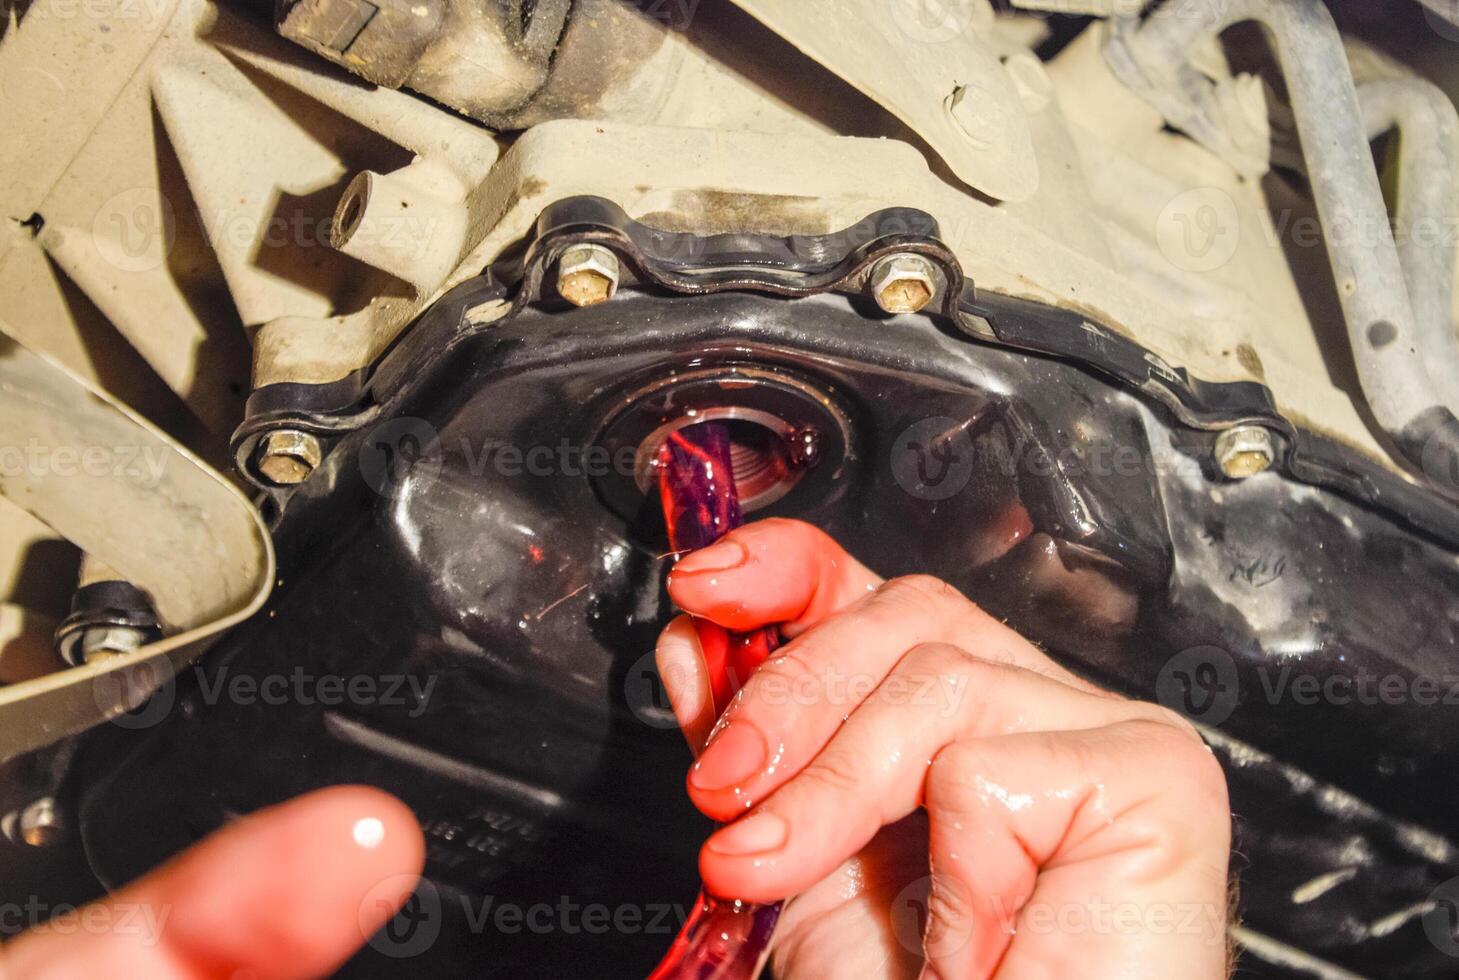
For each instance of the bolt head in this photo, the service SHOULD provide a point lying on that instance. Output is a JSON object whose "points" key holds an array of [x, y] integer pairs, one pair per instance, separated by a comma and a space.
{"points": [[1244, 451], [109, 641], [903, 283], [38, 825], [287, 457], [587, 275]]}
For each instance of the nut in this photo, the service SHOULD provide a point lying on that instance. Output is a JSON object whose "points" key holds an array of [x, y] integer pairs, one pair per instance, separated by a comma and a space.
{"points": [[288, 456], [1245, 450], [38, 825], [108, 641], [587, 275], [903, 283]]}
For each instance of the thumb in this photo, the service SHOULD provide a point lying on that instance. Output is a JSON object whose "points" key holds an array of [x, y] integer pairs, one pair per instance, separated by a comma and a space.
{"points": [[287, 893], [683, 658]]}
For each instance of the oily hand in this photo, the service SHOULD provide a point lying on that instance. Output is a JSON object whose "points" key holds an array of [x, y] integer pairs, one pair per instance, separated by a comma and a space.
{"points": [[942, 798]]}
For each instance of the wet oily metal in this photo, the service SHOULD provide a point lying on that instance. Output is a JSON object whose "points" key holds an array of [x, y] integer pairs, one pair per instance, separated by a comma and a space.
{"points": [[1051, 498]]}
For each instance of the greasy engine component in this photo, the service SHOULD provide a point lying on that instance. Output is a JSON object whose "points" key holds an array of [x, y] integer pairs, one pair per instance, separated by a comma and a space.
{"points": [[849, 261], [1179, 433], [462, 552], [1399, 359], [181, 546], [508, 63], [107, 617], [485, 59]]}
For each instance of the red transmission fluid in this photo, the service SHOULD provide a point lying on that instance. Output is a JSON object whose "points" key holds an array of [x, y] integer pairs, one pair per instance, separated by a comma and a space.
{"points": [[723, 939]]}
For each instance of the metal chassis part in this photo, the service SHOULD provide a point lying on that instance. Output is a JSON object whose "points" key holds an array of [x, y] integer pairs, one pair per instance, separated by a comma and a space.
{"points": [[1153, 58], [145, 506], [944, 81], [1428, 209], [717, 157], [804, 265]]}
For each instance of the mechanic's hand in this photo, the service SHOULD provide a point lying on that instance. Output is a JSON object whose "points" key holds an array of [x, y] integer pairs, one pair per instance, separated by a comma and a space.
{"points": [[287, 893], [902, 737]]}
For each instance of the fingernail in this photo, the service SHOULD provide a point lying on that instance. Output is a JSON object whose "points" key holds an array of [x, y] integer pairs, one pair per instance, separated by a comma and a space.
{"points": [[734, 755], [755, 834], [716, 558]]}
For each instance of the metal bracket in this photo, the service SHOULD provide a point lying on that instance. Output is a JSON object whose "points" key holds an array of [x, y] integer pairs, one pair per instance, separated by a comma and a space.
{"points": [[129, 495]]}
